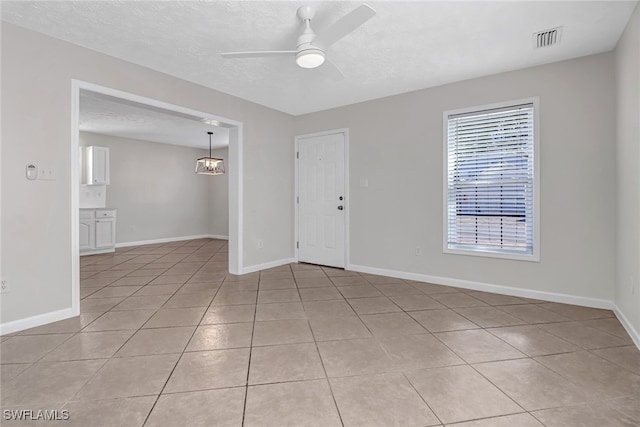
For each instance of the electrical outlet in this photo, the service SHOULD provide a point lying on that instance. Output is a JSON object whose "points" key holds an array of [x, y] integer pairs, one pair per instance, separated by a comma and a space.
{"points": [[364, 182], [418, 251], [4, 286], [260, 244]]}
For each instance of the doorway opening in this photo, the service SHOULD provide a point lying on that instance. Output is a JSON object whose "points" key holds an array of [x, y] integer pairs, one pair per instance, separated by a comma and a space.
{"points": [[230, 128]]}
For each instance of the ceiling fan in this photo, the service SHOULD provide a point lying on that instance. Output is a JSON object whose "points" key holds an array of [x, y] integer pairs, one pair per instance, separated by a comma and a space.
{"points": [[311, 48]]}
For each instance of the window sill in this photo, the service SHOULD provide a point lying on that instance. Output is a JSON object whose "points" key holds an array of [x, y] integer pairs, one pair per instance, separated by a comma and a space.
{"points": [[535, 257]]}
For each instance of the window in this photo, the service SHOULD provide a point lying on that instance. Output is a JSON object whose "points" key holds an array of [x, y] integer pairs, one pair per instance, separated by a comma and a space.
{"points": [[491, 187]]}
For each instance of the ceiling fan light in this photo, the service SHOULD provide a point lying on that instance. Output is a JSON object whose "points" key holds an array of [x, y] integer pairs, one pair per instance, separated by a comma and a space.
{"points": [[310, 58]]}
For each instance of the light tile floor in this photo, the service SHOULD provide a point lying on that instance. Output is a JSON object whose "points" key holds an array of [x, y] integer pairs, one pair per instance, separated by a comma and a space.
{"points": [[167, 338]]}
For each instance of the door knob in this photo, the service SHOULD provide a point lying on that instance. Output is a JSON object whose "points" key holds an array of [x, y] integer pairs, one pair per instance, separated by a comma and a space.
{"points": [[340, 207]]}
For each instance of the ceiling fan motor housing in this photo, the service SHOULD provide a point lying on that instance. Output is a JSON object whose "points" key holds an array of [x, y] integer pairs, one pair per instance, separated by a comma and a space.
{"points": [[309, 55]]}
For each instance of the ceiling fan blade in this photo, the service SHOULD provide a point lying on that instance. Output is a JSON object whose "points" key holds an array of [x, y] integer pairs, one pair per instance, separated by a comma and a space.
{"points": [[332, 70], [258, 54], [345, 25]]}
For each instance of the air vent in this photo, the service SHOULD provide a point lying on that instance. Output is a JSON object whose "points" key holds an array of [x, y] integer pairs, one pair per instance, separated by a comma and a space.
{"points": [[547, 37]]}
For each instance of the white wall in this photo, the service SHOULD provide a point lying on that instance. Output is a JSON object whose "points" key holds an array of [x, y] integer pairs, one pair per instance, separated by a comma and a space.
{"points": [[219, 198], [155, 189], [627, 57], [396, 143], [401, 208], [36, 127]]}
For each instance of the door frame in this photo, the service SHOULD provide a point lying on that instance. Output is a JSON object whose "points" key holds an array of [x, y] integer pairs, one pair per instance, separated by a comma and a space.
{"points": [[347, 198], [236, 262]]}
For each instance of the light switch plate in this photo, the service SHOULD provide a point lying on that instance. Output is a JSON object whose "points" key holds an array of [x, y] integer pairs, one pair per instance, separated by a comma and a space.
{"points": [[46, 173]]}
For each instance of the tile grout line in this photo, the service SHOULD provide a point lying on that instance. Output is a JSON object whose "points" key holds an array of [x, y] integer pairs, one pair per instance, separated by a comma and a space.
{"points": [[126, 341], [96, 372], [466, 363], [404, 375], [187, 343], [315, 342], [253, 329]]}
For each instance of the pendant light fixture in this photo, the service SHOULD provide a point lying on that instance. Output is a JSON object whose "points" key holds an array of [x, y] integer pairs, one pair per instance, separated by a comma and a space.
{"points": [[209, 165]]}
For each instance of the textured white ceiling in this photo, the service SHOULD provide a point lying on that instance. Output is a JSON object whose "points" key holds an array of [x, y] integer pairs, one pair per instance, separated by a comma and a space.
{"points": [[112, 116], [407, 46]]}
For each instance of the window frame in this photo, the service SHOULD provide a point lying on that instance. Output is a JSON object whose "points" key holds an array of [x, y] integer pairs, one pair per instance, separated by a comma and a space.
{"points": [[487, 252]]}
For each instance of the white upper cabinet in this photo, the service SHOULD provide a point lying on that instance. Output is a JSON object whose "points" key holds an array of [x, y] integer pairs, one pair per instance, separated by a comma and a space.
{"points": [[97, 165]]}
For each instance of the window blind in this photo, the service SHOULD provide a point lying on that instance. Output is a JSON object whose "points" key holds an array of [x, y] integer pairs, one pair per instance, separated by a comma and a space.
{"points": [[490, 192]]}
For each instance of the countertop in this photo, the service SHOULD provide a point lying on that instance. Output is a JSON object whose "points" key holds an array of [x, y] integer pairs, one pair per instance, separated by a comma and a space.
{"points": [[98, 209]]}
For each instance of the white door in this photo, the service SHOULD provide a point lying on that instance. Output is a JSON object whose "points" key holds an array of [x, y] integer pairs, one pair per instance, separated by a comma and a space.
{"points": [[86, 234], [321, 205], [105, 233]]}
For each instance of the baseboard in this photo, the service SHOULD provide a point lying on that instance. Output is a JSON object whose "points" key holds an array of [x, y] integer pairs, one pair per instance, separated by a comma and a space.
{"points": [[97, 252], [217, 236], [267, 265], [488, 287], [38, 320], [171, 239], [635, 335]]}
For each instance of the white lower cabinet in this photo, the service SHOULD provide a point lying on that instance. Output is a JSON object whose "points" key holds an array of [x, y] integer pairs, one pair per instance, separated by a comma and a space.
{"points": [[105, 233], [97, 231], [87, 234]]}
